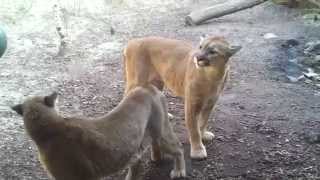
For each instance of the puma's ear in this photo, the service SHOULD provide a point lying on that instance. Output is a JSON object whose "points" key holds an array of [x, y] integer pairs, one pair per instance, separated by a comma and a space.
{"points": [[233, 49], [202, 38], [18, 108], [50, 100]]}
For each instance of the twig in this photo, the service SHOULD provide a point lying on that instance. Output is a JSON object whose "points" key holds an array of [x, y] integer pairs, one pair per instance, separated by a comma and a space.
{"points": [[60, 27]]}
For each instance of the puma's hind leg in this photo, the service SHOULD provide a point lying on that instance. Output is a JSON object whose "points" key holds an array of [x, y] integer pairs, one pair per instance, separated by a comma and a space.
{"points": [[135, 171], [170, 144]]}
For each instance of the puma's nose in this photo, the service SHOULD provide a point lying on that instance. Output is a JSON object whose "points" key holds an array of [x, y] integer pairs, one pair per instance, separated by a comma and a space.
{"points": [[201, 57]]}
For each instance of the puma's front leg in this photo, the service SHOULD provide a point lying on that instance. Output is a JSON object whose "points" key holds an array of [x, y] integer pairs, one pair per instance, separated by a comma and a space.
{"points": [[192, 110], [203, 120]]}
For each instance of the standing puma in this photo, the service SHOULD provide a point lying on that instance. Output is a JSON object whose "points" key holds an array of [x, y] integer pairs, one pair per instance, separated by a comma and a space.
{"points": [[82, 149], [197, 74]]}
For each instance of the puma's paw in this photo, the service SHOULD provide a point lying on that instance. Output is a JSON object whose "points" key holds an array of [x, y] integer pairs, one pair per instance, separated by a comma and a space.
{"points": [[207, 136], [155, 157], [178, 173], [129, 176], [198, 153]]}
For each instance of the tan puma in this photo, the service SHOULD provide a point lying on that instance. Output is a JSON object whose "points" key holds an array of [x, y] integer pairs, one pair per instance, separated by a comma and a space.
{"points": [[82, 149], [197, 74]]}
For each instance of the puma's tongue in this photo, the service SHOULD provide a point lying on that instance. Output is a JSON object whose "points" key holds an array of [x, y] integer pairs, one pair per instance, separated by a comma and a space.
{"points": [[203, 63]]}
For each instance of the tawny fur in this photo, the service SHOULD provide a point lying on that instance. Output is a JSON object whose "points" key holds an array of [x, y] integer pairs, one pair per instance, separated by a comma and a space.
{"points": [[88, 149], [196, 74]]}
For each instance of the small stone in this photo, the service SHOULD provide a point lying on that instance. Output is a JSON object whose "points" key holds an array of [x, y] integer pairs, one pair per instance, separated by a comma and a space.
{"points": [[112, 31], [269, 36], [220, 138]]}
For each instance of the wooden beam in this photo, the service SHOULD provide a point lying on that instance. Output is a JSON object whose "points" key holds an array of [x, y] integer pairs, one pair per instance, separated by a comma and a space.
{"points": [[231, 6]]}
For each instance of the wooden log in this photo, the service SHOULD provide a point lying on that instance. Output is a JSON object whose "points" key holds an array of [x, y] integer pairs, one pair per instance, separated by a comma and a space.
{"points": [[231, 6]]}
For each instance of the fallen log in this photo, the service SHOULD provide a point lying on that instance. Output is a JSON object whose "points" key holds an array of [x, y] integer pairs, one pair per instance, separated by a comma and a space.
{"points": [[199, 16]]}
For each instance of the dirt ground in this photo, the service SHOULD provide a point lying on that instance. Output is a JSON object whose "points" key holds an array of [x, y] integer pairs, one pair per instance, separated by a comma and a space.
{"points": [[265, 126]]}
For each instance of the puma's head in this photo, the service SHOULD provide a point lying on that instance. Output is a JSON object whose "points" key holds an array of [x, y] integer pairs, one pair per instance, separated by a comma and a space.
{"points": [[38, 113], [214, 50], [44, 101]]}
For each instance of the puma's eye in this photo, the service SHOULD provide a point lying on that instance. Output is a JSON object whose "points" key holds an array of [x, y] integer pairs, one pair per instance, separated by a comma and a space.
{"points": [[212, 51]]}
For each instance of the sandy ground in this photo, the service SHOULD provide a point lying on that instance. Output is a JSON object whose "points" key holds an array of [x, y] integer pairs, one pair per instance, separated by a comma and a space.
{"points": [[263, 123]]}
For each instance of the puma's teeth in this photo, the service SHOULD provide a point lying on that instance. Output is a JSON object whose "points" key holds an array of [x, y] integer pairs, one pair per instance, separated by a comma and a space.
{"points": [[195, 61]]}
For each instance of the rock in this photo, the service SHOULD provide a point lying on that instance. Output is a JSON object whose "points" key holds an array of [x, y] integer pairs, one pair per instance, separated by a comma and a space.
{"points": [[290, 43], [312, 137], [295, 79], [311, 74], [312, 48], [312, 61], [312, 18], [269, 36], [220, 138], [293, 70], [308, 81]]}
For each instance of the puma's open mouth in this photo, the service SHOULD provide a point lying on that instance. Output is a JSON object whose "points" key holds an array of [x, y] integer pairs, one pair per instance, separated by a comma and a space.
{"points": [[200, 62]]}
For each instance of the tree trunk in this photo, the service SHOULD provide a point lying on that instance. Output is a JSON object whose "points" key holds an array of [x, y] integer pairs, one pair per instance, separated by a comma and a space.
{"points": [[199, 16]]}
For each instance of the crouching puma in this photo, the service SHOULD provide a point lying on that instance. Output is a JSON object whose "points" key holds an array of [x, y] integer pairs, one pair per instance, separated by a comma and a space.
{"points": [[197, 74], [82, 149]]}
